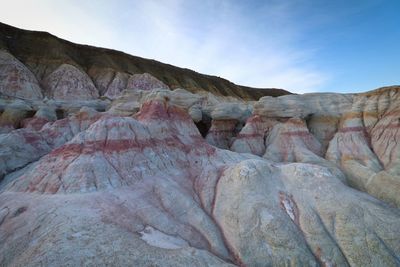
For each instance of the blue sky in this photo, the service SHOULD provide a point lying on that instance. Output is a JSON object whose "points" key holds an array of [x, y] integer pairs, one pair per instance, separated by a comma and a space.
{"points": [[300, 45]]}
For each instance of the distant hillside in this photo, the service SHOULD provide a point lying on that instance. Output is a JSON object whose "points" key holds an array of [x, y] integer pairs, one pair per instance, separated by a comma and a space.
{"points": [[42, 53]]}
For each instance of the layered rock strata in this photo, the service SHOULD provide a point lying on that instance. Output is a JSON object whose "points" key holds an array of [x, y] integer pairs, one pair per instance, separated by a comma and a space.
{"points": [[168, 198], [102, 165]]}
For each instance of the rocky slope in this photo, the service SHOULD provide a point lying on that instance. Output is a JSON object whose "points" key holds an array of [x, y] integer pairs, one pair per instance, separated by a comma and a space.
{"points": [[105, 167], [110, 70]]}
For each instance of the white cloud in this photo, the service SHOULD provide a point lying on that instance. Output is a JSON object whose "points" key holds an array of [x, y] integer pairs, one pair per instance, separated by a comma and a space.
{"points": [[66, 19], [254, 46]]}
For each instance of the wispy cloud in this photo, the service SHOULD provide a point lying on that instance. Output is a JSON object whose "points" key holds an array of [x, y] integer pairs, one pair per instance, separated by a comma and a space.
{"points": [[251, 44]]}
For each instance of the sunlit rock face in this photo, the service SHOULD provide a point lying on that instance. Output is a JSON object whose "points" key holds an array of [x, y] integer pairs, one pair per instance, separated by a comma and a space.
{"points": [[366, 146], [113, 168]]}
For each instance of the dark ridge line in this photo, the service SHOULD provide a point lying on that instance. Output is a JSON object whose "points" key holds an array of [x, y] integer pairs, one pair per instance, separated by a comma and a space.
{"points": [[26, 45]]}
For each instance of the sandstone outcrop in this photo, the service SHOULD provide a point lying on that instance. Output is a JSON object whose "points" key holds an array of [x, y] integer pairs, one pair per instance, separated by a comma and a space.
{"points": [[23, 146], [167, 197], [13, 116], [68, 83], [252, 137], [16, 80], [111, 84], [292, 142], [42, 116], [42, 53], [369, 162], [144, 82], [118, 166]]}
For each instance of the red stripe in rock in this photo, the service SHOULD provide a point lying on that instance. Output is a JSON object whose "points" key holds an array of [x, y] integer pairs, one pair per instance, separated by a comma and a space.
{"points": [[297, 133], [110, 146]]}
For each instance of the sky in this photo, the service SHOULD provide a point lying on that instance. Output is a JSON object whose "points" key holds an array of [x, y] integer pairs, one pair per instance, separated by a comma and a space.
{"points": [[299, 45]]}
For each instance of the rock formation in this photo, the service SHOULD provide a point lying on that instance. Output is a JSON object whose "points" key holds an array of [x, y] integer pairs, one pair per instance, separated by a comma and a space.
{"points": [[16, 80], [68, 83], [106, 166]]}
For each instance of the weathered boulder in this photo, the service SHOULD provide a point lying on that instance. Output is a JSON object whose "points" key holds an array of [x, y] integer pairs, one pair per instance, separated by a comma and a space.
{"points": [[131, 101], [320, 111], [227, 121], [251, 138], [42, 116], [23, 146], [109, 83], [221, 133], [117, 85], [302, 106], [13, 116], [382, 119], [256, 227], [292, 142], [323, 128], [16, 80], [334, 217], [68, 82], [144, 81], [351, 150]]}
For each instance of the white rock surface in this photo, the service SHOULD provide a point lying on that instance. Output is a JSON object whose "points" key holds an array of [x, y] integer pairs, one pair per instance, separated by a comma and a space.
{"points": [[155, 238]]}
